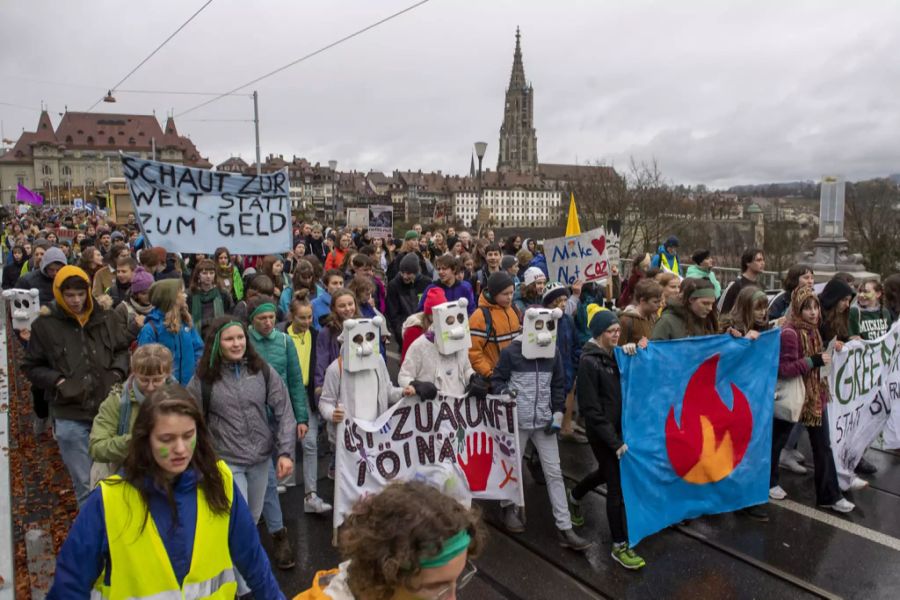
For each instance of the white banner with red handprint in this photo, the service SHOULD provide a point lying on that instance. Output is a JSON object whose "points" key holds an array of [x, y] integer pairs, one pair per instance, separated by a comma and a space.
{"points": [[466, 447]]}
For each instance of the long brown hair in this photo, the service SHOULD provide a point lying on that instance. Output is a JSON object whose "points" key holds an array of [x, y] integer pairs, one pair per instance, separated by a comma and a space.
{"points": [[140, 467], [333, 321], [210, 373], [693, 324], [202, 265], [741, 316]]}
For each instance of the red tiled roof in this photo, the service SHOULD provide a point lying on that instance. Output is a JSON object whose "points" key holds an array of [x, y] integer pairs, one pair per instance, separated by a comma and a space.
{"points": [[573, 172]]}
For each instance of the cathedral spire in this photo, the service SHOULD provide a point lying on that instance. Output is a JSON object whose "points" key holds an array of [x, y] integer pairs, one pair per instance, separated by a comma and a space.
{"points": [[517, 77]]}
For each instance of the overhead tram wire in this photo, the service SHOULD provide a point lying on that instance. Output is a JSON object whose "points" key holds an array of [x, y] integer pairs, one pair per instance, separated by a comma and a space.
{"points": [[308, 56], [158, 48]]}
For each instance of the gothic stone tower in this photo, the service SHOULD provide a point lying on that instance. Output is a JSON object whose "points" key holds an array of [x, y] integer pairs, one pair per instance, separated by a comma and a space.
{"points": [[518, 140]]}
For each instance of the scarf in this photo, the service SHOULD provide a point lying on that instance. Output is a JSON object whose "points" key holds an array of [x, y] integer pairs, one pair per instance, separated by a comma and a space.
{"points": [[138, 307], [811, 345], [199, 298]]}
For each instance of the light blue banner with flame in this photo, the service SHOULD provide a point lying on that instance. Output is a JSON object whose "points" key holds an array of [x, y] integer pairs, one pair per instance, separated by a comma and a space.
{"points": [[697, 418]]}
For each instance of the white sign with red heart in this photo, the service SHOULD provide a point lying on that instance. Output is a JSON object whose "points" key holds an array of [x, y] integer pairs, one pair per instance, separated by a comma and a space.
{"points": [[581, 257]]}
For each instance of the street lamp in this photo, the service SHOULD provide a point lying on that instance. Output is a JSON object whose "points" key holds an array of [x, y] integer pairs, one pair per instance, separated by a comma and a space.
{"points": [[480, 149], [332, 164]]}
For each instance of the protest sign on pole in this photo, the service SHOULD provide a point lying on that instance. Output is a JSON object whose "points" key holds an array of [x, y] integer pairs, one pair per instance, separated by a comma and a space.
{"points": [[865, 387], [190, 210], [613, 235], [465, 447], [357, 217], [582, 256], [381, 221]]}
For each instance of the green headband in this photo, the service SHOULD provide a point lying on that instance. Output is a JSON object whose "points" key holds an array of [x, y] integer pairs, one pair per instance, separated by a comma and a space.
{"points": [[264, 307], [215, 347], [703, 293], [450, 549]]}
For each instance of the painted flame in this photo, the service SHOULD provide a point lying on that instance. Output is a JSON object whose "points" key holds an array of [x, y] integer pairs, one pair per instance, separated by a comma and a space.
{"points": [[712, 440]]}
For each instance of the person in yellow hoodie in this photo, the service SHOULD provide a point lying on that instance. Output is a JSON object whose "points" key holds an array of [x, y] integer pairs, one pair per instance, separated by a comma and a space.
{"points": [[76, 353], [408, 542]]}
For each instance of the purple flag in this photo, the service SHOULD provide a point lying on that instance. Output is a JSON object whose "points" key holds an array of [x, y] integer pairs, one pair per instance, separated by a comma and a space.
{"points": [[23, 194]]}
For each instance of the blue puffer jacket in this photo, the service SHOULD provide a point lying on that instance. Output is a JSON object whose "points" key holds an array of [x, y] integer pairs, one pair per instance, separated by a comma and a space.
{"points": [[567, 348], [186, 346], [86, 551], [539, 385]]}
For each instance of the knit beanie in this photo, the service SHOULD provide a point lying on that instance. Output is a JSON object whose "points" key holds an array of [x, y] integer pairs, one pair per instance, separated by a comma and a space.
{"points": [[553, 292], [835, 291], [410, 263], [672, 242], [498, 282], [602, 320], [141, 281], [412, 234], [533, 274], [41, 243], [164, 293], [507, 262], [433, 297]]}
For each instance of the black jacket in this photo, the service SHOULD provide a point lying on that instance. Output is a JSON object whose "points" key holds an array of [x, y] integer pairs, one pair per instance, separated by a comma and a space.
{"points": [[37, 280], [11, 274], [401, 301], [90, 359], [599, 394]]}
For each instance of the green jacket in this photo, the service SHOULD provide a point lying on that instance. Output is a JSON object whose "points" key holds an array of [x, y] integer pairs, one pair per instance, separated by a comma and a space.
{"points": [[278, 350], [105, 444], [696, 272]]}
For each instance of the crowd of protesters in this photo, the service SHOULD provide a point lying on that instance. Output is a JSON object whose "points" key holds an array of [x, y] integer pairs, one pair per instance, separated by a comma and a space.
{"points": [[168, 378]]}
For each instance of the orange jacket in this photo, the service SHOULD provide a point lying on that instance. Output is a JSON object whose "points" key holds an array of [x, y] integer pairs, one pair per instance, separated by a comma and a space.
{"points": [[486, 345], [335, 258]]}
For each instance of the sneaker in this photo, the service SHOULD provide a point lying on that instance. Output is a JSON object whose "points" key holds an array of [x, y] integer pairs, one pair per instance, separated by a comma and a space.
{"points": [[796, 455], [866, 468], [777, 493], [625, 556], [842, 506], [790, 463], [313, 504], [858, 484], [569, 539], [281, 488], [757, 512], [512, 521], [283, 554], [573, 438], [575, 510]]}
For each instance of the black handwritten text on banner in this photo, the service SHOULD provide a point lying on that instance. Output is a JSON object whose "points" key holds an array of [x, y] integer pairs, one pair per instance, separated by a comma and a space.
{"points": [[185, 209]]}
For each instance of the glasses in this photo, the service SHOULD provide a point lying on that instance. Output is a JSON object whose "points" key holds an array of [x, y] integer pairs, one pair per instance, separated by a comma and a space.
{"points": [[462, 581]]}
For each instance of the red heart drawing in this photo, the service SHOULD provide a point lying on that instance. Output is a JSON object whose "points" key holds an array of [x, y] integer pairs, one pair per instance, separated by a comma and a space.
{"points": [[600, 245]]}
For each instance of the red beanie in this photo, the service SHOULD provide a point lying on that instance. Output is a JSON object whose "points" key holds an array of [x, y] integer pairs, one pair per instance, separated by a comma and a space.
{"points": [[433, 297]]}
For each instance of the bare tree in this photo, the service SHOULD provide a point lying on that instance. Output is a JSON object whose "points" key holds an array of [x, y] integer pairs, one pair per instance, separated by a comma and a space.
{"points": [[873, 220]]}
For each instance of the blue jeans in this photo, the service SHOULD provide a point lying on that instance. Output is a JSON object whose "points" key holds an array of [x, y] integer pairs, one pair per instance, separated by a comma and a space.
{"points": [[272, 505], [72, 438], [309, 443], [251, 483]]}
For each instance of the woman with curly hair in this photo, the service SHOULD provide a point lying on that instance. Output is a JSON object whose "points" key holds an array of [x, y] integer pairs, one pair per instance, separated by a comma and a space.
{"points": [[170, 324], [409, 541], [136, 533]]}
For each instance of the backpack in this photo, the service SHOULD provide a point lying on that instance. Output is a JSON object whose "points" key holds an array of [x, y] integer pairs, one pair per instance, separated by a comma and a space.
{"points": [[489, 323], [206, 392]]}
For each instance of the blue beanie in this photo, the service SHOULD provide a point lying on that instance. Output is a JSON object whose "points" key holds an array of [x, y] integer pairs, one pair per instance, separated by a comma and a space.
{"points": [[602, 321]]}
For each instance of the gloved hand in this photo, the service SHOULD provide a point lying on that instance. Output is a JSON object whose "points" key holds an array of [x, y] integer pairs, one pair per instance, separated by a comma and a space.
{"points": [[555, 425], [630, 349], [621, 451], [425, 390], [478, 387]]}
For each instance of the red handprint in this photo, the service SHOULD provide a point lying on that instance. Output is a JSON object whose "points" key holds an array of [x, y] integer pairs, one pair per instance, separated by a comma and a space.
{"points": [[479, 461]]}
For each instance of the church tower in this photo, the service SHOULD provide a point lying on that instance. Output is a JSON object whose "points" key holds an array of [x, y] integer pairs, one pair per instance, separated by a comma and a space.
{"points": [[518, 140]]}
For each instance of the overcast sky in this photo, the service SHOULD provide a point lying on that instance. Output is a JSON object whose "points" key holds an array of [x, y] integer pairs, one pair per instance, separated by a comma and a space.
{"points": [[717, 92]]}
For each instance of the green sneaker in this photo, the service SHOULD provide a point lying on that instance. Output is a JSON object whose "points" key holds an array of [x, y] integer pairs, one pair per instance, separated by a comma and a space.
{"points": [[625, 556], [575, 513]]}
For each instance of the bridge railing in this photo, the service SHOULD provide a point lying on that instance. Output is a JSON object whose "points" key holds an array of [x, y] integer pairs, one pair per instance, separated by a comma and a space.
{"points": [[770, 279]]}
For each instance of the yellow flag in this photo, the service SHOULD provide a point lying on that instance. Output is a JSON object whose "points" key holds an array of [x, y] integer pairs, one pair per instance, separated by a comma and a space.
{"points": [[573, 227]]}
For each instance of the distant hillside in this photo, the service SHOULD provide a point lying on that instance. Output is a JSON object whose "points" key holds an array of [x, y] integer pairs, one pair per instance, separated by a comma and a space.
{"points": [[804, 189]]}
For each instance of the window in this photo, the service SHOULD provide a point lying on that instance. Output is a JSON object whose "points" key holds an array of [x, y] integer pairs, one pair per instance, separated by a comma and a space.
{"points": [[45, 170], [20, 179], [90, 140], [111, 141], [131, 141], [89, 183], [68, 139], [67, 170]]}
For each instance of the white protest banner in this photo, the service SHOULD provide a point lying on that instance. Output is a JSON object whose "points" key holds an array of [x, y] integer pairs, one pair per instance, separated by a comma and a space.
{"points": [[865, 386], [381, 221], [357, 217], [465, 447], [190, 210], [582, 256]]}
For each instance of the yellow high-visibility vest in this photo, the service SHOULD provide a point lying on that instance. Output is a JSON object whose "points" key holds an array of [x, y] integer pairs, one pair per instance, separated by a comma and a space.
{"points": [[141, 569], [664, 263]]}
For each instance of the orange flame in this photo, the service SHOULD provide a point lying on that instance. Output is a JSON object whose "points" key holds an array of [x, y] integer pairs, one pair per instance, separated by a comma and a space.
{"points": [[712, 440]]}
